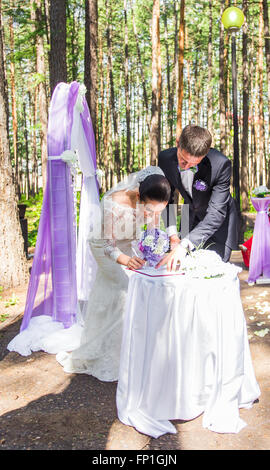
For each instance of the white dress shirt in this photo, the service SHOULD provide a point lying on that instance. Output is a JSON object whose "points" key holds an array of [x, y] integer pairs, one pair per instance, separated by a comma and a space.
{"points": [[187, 178]]}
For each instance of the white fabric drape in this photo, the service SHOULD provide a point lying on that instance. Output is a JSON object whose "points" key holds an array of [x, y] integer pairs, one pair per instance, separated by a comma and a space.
{"points": [[184, 352], [89, 209]]}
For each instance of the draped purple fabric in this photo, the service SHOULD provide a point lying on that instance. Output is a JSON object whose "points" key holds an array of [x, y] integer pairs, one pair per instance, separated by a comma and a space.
{"points": [[259, 263], [52, 287]]}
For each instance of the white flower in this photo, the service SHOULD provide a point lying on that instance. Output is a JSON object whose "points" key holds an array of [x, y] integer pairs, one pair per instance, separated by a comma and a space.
{"points": [[99, 174], [261, 190], [158, 250], [70, 157], [205, 264], [148, 241]]}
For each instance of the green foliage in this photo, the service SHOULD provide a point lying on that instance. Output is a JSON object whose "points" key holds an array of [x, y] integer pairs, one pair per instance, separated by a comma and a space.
{"points": [[32, 214], [3, 317], [248, 234], [12, 301], [111, 13]]}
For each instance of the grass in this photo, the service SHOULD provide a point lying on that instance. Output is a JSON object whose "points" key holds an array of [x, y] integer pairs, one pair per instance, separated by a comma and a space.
{"points": [[12, 301], [3, 317]]}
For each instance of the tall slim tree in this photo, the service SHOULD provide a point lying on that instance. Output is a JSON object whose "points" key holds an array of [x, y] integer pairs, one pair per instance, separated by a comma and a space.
{"points": [[126, 68], [156, 84], [245, 111], [210, 72], [222, 86], [91, 58], [143, 80], [58, 48], [267, 58], [13, 266], [14, 103], [117, 161], [180, 94], [261, 111], [42, 94]]}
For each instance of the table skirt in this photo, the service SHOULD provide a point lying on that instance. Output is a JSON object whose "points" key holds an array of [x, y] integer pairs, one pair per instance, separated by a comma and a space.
{"points": [[184, 352]]}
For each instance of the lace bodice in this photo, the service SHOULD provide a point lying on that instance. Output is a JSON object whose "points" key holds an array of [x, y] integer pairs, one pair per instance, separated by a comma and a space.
{"points": [[119, 223]]}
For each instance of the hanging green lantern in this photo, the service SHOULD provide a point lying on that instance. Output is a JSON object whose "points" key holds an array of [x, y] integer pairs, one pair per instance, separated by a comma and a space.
{"points": [[233, 18]]}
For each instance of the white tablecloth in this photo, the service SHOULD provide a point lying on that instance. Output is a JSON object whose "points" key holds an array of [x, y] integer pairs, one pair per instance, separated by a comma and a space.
{"points": [[184, 352]]}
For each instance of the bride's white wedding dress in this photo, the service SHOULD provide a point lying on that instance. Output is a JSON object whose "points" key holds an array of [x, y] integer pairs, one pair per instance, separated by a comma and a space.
{"points": [[99, 351]]}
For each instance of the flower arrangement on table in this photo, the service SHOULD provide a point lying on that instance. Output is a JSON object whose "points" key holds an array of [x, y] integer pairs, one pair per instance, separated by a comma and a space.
{"points": [[152, 245], [261, 191], [206, 264]]}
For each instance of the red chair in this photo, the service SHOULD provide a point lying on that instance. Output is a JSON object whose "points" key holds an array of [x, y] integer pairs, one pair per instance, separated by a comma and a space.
{"points": [[246, 250]]}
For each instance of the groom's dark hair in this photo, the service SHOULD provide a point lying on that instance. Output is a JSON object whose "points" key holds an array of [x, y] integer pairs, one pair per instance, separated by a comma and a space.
{"points": [[195, 140], [155, 187]]}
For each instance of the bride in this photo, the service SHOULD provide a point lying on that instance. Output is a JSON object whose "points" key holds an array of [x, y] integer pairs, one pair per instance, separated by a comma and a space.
{"points": [[141, 198]]}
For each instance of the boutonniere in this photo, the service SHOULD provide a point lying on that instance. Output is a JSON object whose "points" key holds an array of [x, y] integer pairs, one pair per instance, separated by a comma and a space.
{"points": [[200, 185]]}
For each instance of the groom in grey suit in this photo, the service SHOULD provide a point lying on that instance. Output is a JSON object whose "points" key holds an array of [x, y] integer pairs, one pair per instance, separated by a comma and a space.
{"points": [[202, 175]]}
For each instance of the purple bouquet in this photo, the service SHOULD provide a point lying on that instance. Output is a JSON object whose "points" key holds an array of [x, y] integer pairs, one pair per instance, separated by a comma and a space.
{"points": [[153, 244]]}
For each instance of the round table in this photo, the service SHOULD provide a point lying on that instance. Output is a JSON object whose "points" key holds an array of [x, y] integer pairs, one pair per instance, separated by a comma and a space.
{"points": [[184, 352], [259, 263]]}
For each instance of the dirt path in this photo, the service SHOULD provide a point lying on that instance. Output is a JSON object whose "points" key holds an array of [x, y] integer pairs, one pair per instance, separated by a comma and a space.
{"points": [[42, 407]]}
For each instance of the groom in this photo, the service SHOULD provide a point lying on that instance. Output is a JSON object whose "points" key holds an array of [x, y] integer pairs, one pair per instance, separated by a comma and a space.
{"points": [[202, 176]]}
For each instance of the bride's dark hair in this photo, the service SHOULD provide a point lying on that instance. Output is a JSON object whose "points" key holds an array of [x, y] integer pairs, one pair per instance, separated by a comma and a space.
{"points": [[155, 187]]}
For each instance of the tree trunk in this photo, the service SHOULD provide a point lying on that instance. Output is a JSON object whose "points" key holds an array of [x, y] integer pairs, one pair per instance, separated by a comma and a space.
{"points": [[210, 74], [42, 98], [107, 132], [112, 99], [169, 117], [180, 94], [156, 83], [14, 105], [267, 54], [175, 61], [57, 56], [189, 83], [261, 112], [145, 96], [91, 58], [128, 137], [245, 112], [27, 176], [13, 266], [46, 8], [253, 147], [222, 86], [34, 185]]}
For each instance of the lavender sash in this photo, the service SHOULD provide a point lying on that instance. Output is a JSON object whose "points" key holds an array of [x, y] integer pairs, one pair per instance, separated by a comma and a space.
{"points": [[52, 287], [260, 251]]}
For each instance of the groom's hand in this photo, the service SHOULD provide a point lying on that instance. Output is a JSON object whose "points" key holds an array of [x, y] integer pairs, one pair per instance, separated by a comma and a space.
{"points": [[174, 258]]}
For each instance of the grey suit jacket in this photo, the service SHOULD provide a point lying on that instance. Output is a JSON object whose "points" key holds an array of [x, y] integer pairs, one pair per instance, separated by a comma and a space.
{"points": [[212, 212]]}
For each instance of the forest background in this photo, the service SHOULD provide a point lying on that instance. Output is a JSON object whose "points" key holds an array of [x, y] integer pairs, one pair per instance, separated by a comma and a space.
{"points": [[150, 67]]}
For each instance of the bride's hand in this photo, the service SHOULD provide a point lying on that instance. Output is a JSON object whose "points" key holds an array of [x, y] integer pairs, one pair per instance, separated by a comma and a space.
{"points": [[135, 263]]}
